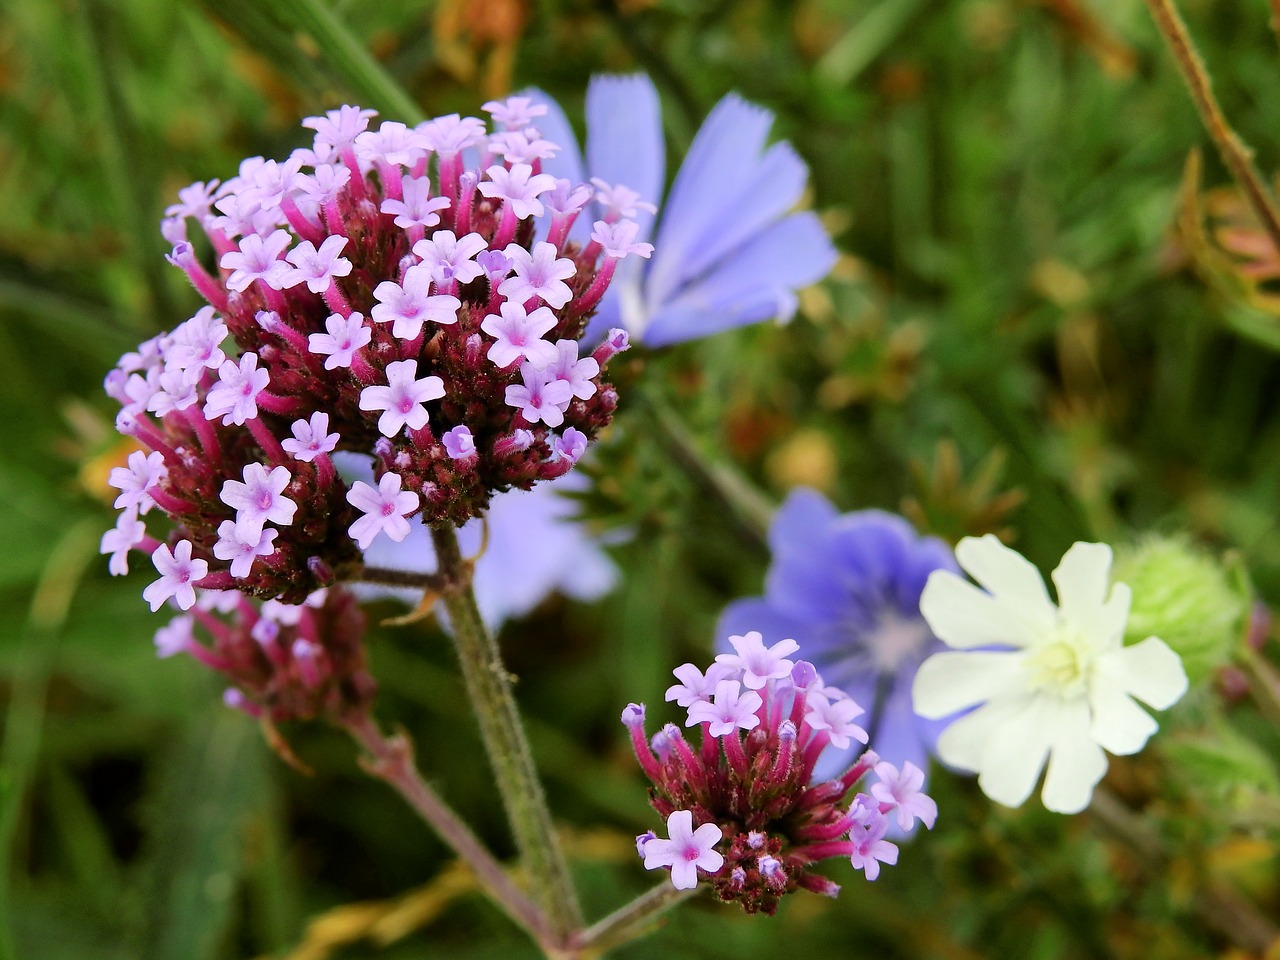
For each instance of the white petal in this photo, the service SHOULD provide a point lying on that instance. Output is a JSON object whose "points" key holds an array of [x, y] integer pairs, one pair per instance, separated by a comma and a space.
{"points": [[1009, 577], [950, 681], [1081, 580], [1015, 754], [1149, 671], [962, 616], [1076, 763], [1118, 724], [961, 745]]}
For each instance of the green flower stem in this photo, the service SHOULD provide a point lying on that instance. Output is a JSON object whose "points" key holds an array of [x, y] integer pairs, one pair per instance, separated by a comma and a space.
{"points": [[489, 689], [748, 505], [627, 922], [391, 759]]}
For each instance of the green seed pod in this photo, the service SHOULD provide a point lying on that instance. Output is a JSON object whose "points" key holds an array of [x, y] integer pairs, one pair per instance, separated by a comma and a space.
{"points": [[1189, 598]]}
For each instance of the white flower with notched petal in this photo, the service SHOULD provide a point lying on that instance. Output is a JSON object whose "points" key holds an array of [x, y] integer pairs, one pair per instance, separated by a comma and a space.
{"points": [[1054, 683]]}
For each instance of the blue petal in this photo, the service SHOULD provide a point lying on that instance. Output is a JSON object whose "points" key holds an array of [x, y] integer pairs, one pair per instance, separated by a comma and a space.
{"points": [[803, 517], [756, 613], [567, 164], [624, 140], [720, 162], [752, 283], [776, 185], [928, 555]]}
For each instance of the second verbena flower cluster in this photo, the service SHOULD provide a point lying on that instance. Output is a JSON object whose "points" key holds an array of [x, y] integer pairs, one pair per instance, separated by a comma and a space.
{"points": [[747, 788], [408, 293]]}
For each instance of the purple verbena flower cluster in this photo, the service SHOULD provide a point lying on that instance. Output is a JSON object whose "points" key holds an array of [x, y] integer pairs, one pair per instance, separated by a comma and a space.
{"points": [[385, 294], [765, 720], [284, 661]]}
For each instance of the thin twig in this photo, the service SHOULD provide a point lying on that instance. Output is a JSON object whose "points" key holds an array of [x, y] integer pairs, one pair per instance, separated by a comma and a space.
{"points": [[391, 759], [1235, 153], [398, 578]]}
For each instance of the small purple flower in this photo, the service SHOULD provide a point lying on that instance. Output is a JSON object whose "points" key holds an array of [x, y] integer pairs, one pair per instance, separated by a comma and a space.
{"points": [[619, 239], [620, 201], [392, 143], [903, 791], [257, 259], [144, 471], [459, 443], [409, 305], [452, 134], [241, 545], [518, 335], [870, 848], [197, 344], [847, 587], [580, 374], [759, 664], [317, 268], [835, 718], [385, 508], [403, 398], [311, 438], [234, 397], [175, 637], [538, 398], [176, 392], [418, 208], [178, 574], [539, 274], [728, 710], [686, 851], [259, 498], [447, 258], [693, 685], [514, 112], [570, 445], [128, 532], [518, 187], [339, 128], [346, 335]]}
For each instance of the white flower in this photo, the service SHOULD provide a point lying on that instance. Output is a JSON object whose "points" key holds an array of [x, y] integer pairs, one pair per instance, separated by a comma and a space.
{"points": [[1055, 683]]}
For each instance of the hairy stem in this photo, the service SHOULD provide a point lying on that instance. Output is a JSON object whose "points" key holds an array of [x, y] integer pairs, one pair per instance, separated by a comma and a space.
{"points": [[1235, 153], [489, 689], [391, 759], [627, 922]]}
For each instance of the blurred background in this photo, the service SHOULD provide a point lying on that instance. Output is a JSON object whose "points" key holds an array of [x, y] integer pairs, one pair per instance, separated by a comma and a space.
{"points": [[1019, 338]]}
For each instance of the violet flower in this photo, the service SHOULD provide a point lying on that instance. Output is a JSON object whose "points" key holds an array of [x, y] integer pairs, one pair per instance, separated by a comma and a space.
{"points": [[847, 587], [730, 251]]}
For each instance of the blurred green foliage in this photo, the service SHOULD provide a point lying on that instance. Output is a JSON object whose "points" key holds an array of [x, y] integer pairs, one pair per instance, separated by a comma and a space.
{"points": [[1002, 177]]}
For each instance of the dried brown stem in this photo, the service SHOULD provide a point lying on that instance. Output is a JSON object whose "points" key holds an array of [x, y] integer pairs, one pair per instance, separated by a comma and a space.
{"points": [[1235, 153]]}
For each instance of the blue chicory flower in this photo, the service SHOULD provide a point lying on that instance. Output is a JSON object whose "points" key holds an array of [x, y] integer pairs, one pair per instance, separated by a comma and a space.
{"points": [[729, 251], [847, 588]]}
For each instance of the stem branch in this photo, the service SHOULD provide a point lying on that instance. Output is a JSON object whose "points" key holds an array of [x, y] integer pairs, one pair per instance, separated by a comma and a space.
{"points": [[489, 689], [391, 759], [1235, 153], [624, 923]]}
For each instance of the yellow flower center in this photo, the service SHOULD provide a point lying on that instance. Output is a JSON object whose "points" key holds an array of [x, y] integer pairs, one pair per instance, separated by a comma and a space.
{"points": [[1061, 665]]}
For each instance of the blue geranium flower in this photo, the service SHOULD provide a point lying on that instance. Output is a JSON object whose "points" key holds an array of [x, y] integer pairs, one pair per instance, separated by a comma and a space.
{"points": [[847, 588], [729, 250]]}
